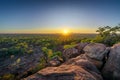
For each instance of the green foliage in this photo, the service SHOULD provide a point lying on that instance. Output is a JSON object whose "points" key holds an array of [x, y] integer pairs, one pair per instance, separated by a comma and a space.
{"points": [[108, 31], [110, 40], [86, 40], [48, 52], [5, 51], [13, 50], [20, 44], [98, 39], [108, 35], [44, 49], [69, 46], [42, 64], [12, 45], [18, 60], [30, 51], [57, 53], [8, 77]]}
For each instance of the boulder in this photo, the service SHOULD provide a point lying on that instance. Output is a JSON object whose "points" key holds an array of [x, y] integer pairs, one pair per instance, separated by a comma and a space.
{"points": [[73, 52], [111, 69], [70, 53], [80, 47], [80, 70], [96, 51], [95, 62]]}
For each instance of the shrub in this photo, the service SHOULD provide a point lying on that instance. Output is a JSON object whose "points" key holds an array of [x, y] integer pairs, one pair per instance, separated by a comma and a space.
{"points": [[41, 65], [4, 52], [8, 77], [48, 52], [98, 39], [44, 49], [86, 40], [58, 53], [18, 60], [30, 51], [69, 46]]}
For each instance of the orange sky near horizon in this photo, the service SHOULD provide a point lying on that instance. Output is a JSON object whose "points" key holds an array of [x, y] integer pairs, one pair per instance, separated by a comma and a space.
{"points": [[48, 30]]}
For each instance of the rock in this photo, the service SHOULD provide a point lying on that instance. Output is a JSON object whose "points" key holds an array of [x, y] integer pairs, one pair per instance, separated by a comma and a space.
{"points": [[83, 63], [73, 52], [82, 67], [97, 63], [79, 70], [80, 47], [111, 69], [70, 53], [56, 61], [96, 51]]}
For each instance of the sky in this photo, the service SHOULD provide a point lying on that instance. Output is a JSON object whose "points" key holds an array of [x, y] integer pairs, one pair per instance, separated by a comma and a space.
{"points": [[53, 16]]}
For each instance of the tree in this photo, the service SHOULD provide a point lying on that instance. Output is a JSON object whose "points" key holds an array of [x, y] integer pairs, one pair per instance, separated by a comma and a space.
{"points": [[108, 31], [104, 31], [108, 35]]}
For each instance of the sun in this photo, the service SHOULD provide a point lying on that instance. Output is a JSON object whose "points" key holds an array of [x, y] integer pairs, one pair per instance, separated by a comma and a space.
{"points": [[66, 31]]}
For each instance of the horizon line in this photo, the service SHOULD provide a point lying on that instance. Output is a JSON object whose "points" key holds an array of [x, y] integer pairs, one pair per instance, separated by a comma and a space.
{"points": [[45, 33]]}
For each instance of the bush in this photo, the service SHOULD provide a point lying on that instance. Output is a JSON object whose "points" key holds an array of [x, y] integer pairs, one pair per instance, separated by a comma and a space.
{"points": [[98, 39], [48, 52], [69, 46], [41, 65], [86, 40], [110, 40], [30, 51], [8, 77], [4, 52], [18, 60], [44, 49], [58, 53]]}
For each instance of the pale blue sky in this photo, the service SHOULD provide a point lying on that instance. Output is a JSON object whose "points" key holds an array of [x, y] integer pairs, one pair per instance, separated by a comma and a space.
{"points": [[25, 16]]}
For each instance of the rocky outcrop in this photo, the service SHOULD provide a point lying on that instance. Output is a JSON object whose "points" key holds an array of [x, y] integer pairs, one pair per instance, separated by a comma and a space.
{"points": [[96, 52], [96, 60], [79, 70], [73, 52], [83, 67], [111, 70]]}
